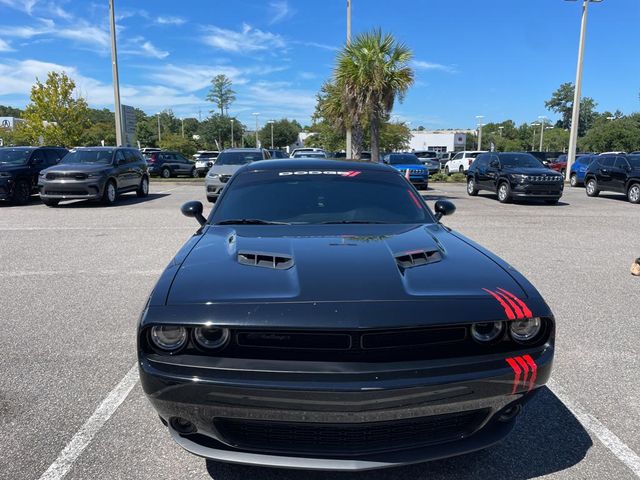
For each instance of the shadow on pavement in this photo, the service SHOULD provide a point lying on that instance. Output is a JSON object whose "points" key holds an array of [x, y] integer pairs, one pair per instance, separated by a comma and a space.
{"points": [[125, 199], [546, 439]]}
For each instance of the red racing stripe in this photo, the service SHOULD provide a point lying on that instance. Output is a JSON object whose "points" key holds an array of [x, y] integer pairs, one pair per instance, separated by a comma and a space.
{"points": [[516, 369], [507, 308], [534, 369], [523, 305], [514, 306], [525, 367], [415, 200]]}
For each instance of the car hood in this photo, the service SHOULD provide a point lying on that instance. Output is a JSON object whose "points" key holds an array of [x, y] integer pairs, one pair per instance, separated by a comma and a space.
{"points": [[531, 171], [333, 263], [78, 167], [411, 166]]}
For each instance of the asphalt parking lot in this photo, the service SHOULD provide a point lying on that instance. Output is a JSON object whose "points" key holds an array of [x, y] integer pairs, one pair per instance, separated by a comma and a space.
{"points": [[74, 280]]}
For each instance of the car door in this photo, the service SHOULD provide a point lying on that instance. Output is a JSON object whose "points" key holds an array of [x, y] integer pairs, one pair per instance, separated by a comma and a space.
{"points": [[134, 168], [120, 168], [603, 172], [619, 174], [37, 163], [492, 173], [480, 168], [185, 165], [455, 162]]}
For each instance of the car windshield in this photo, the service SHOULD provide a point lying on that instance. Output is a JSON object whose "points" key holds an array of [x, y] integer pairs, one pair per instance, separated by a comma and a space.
{"points": [[238, 158], [13, 156], [584, 160], [403, 160], [634, 161], [523, 160], [320, 197], [88, 156]]}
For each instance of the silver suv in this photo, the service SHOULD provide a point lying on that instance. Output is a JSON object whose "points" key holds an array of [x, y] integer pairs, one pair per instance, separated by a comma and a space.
{"points": [[228, 162]]}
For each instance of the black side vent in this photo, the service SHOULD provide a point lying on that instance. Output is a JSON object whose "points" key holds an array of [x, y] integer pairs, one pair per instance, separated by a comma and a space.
{"points": [[417, 258], [266, 260]]}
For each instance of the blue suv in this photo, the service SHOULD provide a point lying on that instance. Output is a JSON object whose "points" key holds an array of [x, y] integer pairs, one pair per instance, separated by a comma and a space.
{"points": [[579, 168], [418, 173]]}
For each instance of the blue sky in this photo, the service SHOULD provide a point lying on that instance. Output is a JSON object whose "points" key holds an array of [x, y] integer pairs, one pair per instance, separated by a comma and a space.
{"points": [[497, 58]]}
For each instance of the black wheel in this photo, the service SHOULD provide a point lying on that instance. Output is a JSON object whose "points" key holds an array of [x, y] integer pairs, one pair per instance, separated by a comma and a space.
{"points": [[471, 187], [461, 169], [165, 173], [504, 192], [573, 180], [633, 193], [21, 192], [446, 170], [194, 173], [143, 188], [50, 202], [564, 173], [110, 193], [551, 201], [592, 188]]}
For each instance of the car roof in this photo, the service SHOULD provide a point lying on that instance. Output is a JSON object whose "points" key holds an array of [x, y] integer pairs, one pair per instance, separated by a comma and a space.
{"points": [[315, 164], [241, 150]]}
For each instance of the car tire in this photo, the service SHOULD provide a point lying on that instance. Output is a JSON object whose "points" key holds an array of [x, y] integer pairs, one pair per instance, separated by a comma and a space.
{"points": [[212, 199], [143, 188], [563, 172], [504, 192], [50, 202], [110, 193], [461, 169], [573, 180], [165, 173], [21, 193], [471, 187], [633, 193], [446, 170], [592, 188], [194, 173]]}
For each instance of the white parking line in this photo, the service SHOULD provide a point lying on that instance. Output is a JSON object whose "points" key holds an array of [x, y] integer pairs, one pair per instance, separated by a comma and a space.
{"points": [[167, 191], [83, 437], [606, 436]]}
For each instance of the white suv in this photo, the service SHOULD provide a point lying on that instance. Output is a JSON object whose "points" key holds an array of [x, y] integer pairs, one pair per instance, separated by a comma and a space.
{"points": [[461, 161]]}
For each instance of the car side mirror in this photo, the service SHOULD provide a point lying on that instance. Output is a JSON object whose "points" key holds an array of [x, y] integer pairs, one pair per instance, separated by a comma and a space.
{"points": [[193, 209], [443, 208]]}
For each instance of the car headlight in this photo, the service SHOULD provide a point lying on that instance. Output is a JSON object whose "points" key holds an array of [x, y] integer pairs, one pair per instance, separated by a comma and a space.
{"points": [[487, 332], [211, 338], [169, 337], [517, 177], [523, 331]]}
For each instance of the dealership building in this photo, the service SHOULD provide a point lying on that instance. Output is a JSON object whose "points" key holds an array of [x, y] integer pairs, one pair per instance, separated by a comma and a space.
{"points": [[438, 140]]}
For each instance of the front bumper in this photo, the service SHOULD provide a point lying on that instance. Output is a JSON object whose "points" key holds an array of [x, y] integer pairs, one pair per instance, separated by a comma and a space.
{"points": [[6, 188], [89, 189], [213, 187], [537, 191], [312, 397]]}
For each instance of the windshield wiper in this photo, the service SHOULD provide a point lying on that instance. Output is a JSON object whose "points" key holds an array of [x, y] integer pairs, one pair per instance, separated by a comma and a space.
{"points": [[250, 221], [350, 221]]}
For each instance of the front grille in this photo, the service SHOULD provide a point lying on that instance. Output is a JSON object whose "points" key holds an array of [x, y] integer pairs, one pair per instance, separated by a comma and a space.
{"points": [[66, 192], [544, 178], [66, 176], [348, 439]]}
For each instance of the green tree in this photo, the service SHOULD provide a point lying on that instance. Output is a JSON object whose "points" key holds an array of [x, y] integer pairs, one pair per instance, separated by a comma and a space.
{"points": [[394, 137], [617, 134], [6, 111], [173, 141], [561, 102], [221, 93], [326, 136], [372, 71], [55, 115], [98, 132], [215, 131], [146, 134], [285, 132]]}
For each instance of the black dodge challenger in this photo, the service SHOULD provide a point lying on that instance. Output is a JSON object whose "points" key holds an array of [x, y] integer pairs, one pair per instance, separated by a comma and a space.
{"points": [[323, 318]]}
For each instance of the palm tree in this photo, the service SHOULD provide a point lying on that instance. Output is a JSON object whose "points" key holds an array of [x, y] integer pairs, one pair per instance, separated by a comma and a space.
{"points": [[372, 71]]}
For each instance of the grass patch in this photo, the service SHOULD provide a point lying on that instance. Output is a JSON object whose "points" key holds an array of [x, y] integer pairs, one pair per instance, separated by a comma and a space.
{"points": [[441, 177]]}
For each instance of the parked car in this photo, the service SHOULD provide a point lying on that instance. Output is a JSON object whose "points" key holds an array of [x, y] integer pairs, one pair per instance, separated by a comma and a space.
{"points": [[204, 160], [559, 164], [20, 167], [514, 175], [430, 160], [147, 150], [444, 157], [94, 173], [306, 149], [579, 168], [229, 162], [317, 154], [546, 157], [418, 173], [275, 153], [461, 161], [170, 164], [614, 173], [323, 318]]}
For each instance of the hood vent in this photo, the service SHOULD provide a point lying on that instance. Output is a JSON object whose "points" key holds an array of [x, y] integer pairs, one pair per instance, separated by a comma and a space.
{"points": [[266, 260], [418, 257]]}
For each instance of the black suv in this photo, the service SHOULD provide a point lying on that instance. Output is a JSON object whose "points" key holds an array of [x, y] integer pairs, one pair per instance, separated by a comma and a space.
{"points": [[514, 175], [170, 164], [614, 173], [19, 169], [95, 173]]}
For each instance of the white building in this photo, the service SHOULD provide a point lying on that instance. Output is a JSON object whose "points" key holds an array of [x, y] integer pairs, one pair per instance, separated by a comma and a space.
{"points": [[437, 141], [9, 123]]}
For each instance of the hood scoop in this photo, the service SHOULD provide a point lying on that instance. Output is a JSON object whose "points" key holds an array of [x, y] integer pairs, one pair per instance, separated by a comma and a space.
{"points": [[265, 260], [416, 258]]}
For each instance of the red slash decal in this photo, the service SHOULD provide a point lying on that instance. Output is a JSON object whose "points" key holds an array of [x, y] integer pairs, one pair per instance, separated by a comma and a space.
{"points": [[523, 305], [507, 308], [514, 306], [519, 365], [352, 173]]}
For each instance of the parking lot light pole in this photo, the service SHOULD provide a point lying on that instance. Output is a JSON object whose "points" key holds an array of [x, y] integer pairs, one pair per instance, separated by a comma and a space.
{"points": [[543, 120], [479, 118], [575, 116], [232, 133], [533, 137], [116, 79], [182, 120], [271, 122], [348, 136], [159, 134], [256, 114]]}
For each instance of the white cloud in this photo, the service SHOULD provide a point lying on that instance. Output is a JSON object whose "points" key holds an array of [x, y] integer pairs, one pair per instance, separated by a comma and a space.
{"points": [[4, 46], [280, 10], [247, 40], [141, 46], [170, 20], [25, 6], [323, 46], [421, 65], [80, 32]]}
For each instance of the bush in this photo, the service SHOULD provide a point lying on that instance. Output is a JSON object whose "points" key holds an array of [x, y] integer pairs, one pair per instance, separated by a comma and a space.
{"points": [[443, 177]]}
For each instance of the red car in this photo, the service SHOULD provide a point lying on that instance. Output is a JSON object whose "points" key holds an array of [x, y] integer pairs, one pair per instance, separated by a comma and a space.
{"points": [[559, 164]]}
